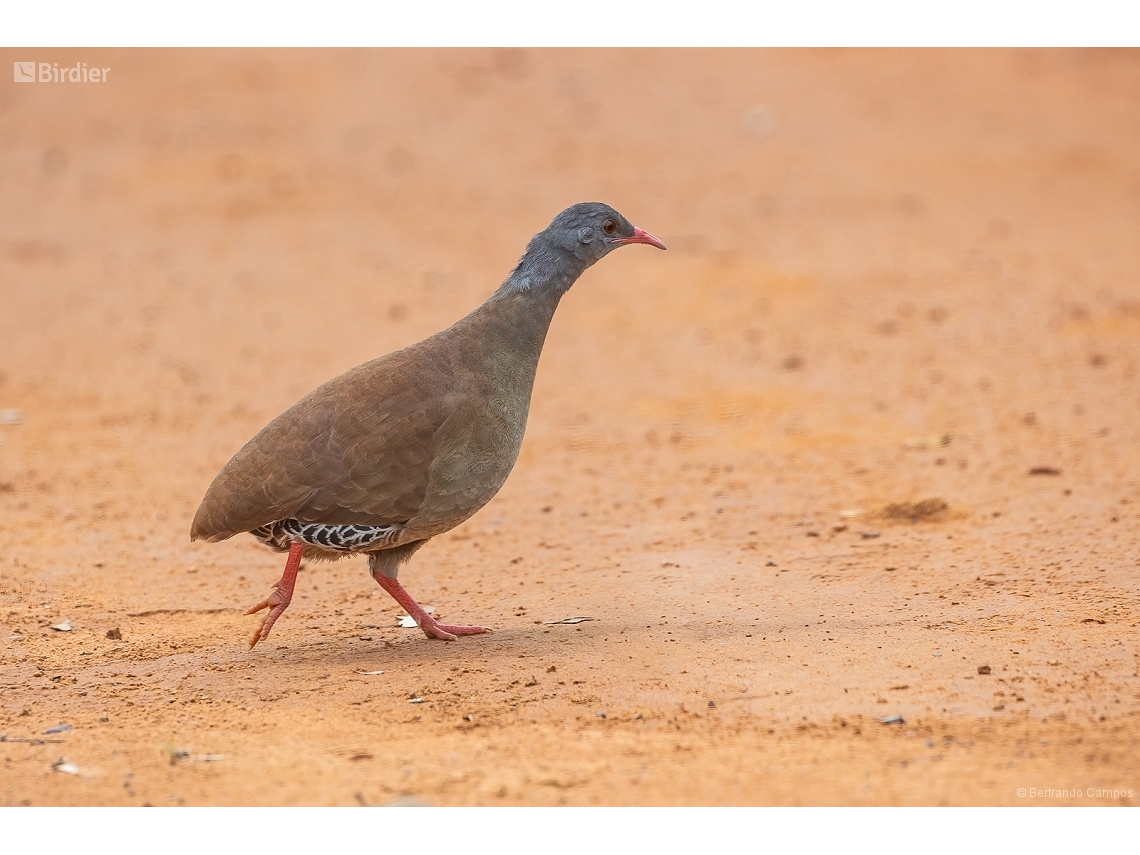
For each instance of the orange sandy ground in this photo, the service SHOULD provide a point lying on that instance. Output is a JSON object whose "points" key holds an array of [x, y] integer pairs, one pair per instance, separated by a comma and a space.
{"points": [[892, 276]]}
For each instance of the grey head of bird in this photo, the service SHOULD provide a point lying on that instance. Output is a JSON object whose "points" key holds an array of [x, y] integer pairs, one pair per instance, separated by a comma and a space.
{"points": [[577, 238]]}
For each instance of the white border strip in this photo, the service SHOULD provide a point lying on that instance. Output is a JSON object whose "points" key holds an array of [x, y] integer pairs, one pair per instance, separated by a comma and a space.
{"points": [[552, 831], [600, 23]]}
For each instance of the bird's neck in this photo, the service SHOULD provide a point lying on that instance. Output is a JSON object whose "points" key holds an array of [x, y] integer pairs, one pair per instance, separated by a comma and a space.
{"points": [[520, 317], [546, 271], [528, 297]]}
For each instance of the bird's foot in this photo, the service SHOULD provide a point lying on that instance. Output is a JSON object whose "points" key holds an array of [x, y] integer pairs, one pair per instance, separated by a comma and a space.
{"points": [[279, 600], [447, 631], [276, 602], [430, 626]]}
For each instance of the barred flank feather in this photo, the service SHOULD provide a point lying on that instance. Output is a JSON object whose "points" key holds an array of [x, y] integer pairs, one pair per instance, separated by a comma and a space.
{"points": [[339, 538]]}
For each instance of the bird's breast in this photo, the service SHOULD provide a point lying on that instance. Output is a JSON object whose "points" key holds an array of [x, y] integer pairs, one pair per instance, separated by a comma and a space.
{"points": [[476, 450]]}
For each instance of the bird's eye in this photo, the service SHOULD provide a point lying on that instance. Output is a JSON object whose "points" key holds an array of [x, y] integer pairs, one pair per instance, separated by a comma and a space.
{"points": [[609, 227]]}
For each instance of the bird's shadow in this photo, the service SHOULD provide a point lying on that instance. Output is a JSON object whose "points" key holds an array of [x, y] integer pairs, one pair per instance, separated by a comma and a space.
{"points": [[382, 653]]}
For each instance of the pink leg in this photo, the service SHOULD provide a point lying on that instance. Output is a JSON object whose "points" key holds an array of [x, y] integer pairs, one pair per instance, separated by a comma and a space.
{"points": [[431, 627], [282, 594]]}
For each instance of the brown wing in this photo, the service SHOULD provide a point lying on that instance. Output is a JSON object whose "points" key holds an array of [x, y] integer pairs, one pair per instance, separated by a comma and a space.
{"points": [[356, 450]]}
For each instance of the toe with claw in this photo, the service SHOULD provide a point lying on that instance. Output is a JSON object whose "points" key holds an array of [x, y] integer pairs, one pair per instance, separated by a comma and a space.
{"points": [[279, 600]]}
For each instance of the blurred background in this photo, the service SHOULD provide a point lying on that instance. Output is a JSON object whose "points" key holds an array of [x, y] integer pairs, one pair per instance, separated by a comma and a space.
{"points": [[211, 221], [212, 233], [892, 275]]}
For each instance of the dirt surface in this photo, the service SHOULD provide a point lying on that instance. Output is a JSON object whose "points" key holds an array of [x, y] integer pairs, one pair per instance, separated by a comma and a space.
{"points": [[863, 443]]}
